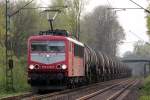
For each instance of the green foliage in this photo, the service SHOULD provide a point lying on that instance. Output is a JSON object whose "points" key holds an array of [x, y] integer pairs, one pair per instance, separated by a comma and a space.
{"points": [[145, 91], [2, 24], [24, 24], [2, 49], [2, 68], [144, 98], [101, 30], [19, 76], [141, 49], [70, 18], [148, 22]]}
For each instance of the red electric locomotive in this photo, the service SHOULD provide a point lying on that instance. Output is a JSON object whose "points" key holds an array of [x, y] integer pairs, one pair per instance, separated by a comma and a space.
{"points": [[55, 61]]}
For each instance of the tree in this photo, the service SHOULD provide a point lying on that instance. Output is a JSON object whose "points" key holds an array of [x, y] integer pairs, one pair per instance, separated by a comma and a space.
{"points": [[127, 54], [141, 49], [148, 22], [24, 24], [2, 24], [101, 30], [70, 19]]}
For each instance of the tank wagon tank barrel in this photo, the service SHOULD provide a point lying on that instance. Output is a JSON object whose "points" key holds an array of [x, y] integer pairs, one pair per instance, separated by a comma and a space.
{"points": [[104, 66]]}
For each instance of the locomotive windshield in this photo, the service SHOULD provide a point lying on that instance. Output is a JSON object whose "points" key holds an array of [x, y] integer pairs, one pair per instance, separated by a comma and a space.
{"points": [[50, 51], [50, 46]]}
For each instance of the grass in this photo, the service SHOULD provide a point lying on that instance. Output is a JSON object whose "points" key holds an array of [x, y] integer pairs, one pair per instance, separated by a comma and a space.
{"points": [[19, 75], [11, 93], [145, 90], [145, 98]]}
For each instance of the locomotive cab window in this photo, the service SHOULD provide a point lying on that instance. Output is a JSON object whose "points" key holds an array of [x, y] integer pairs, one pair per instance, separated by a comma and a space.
{"points": [[78, 51], [48, 46], [56, 46], [38, 46]]}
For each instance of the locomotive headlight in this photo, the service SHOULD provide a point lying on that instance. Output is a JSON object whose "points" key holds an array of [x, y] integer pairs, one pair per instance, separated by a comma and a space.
{"points": [[64, 66], [31, 67], [47, 56]]}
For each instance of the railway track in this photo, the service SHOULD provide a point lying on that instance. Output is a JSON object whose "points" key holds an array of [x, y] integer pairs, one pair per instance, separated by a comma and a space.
{"points": [[73, 93], [115, 92], [77, 93], [127, 94], [121, 92], [17, 97]]}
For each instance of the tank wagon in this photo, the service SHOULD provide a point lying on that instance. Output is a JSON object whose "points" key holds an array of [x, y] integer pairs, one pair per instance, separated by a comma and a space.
{"points": [[58, 61]]}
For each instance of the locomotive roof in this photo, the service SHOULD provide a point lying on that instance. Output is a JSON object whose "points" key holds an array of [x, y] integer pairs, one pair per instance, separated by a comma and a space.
{"points": [[42, 37], [75, 41]]}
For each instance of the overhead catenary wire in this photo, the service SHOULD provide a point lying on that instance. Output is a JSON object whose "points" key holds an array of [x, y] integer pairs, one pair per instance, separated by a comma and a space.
{"points": [[52, 7], [139, 37], [128, 42], [136, 35], [20, 8], [126, 8], [140, 6]]}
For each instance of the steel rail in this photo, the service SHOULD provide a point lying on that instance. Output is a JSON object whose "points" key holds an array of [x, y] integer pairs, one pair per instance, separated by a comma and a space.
{"points": [[55, 94], [125, 93], [118, 93], [100, 91]]}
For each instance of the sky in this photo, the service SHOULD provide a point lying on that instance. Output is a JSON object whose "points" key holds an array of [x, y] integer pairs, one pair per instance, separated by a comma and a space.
{"points": [[132, 21]]}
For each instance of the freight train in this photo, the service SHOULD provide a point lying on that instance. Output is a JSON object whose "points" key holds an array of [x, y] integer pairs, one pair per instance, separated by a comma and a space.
{"points": [[57, 61]]}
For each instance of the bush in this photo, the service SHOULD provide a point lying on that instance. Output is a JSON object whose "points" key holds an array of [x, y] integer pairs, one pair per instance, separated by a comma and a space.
{"points": [[2, 69], [146, 86], [19, 74]]}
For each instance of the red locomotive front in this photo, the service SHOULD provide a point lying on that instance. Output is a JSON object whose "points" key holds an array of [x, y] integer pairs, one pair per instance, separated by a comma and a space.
{"points": [[54, 61], [47, 60]]}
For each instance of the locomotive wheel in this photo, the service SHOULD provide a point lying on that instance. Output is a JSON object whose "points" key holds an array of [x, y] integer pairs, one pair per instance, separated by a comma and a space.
{"points": [[71, 84]]}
